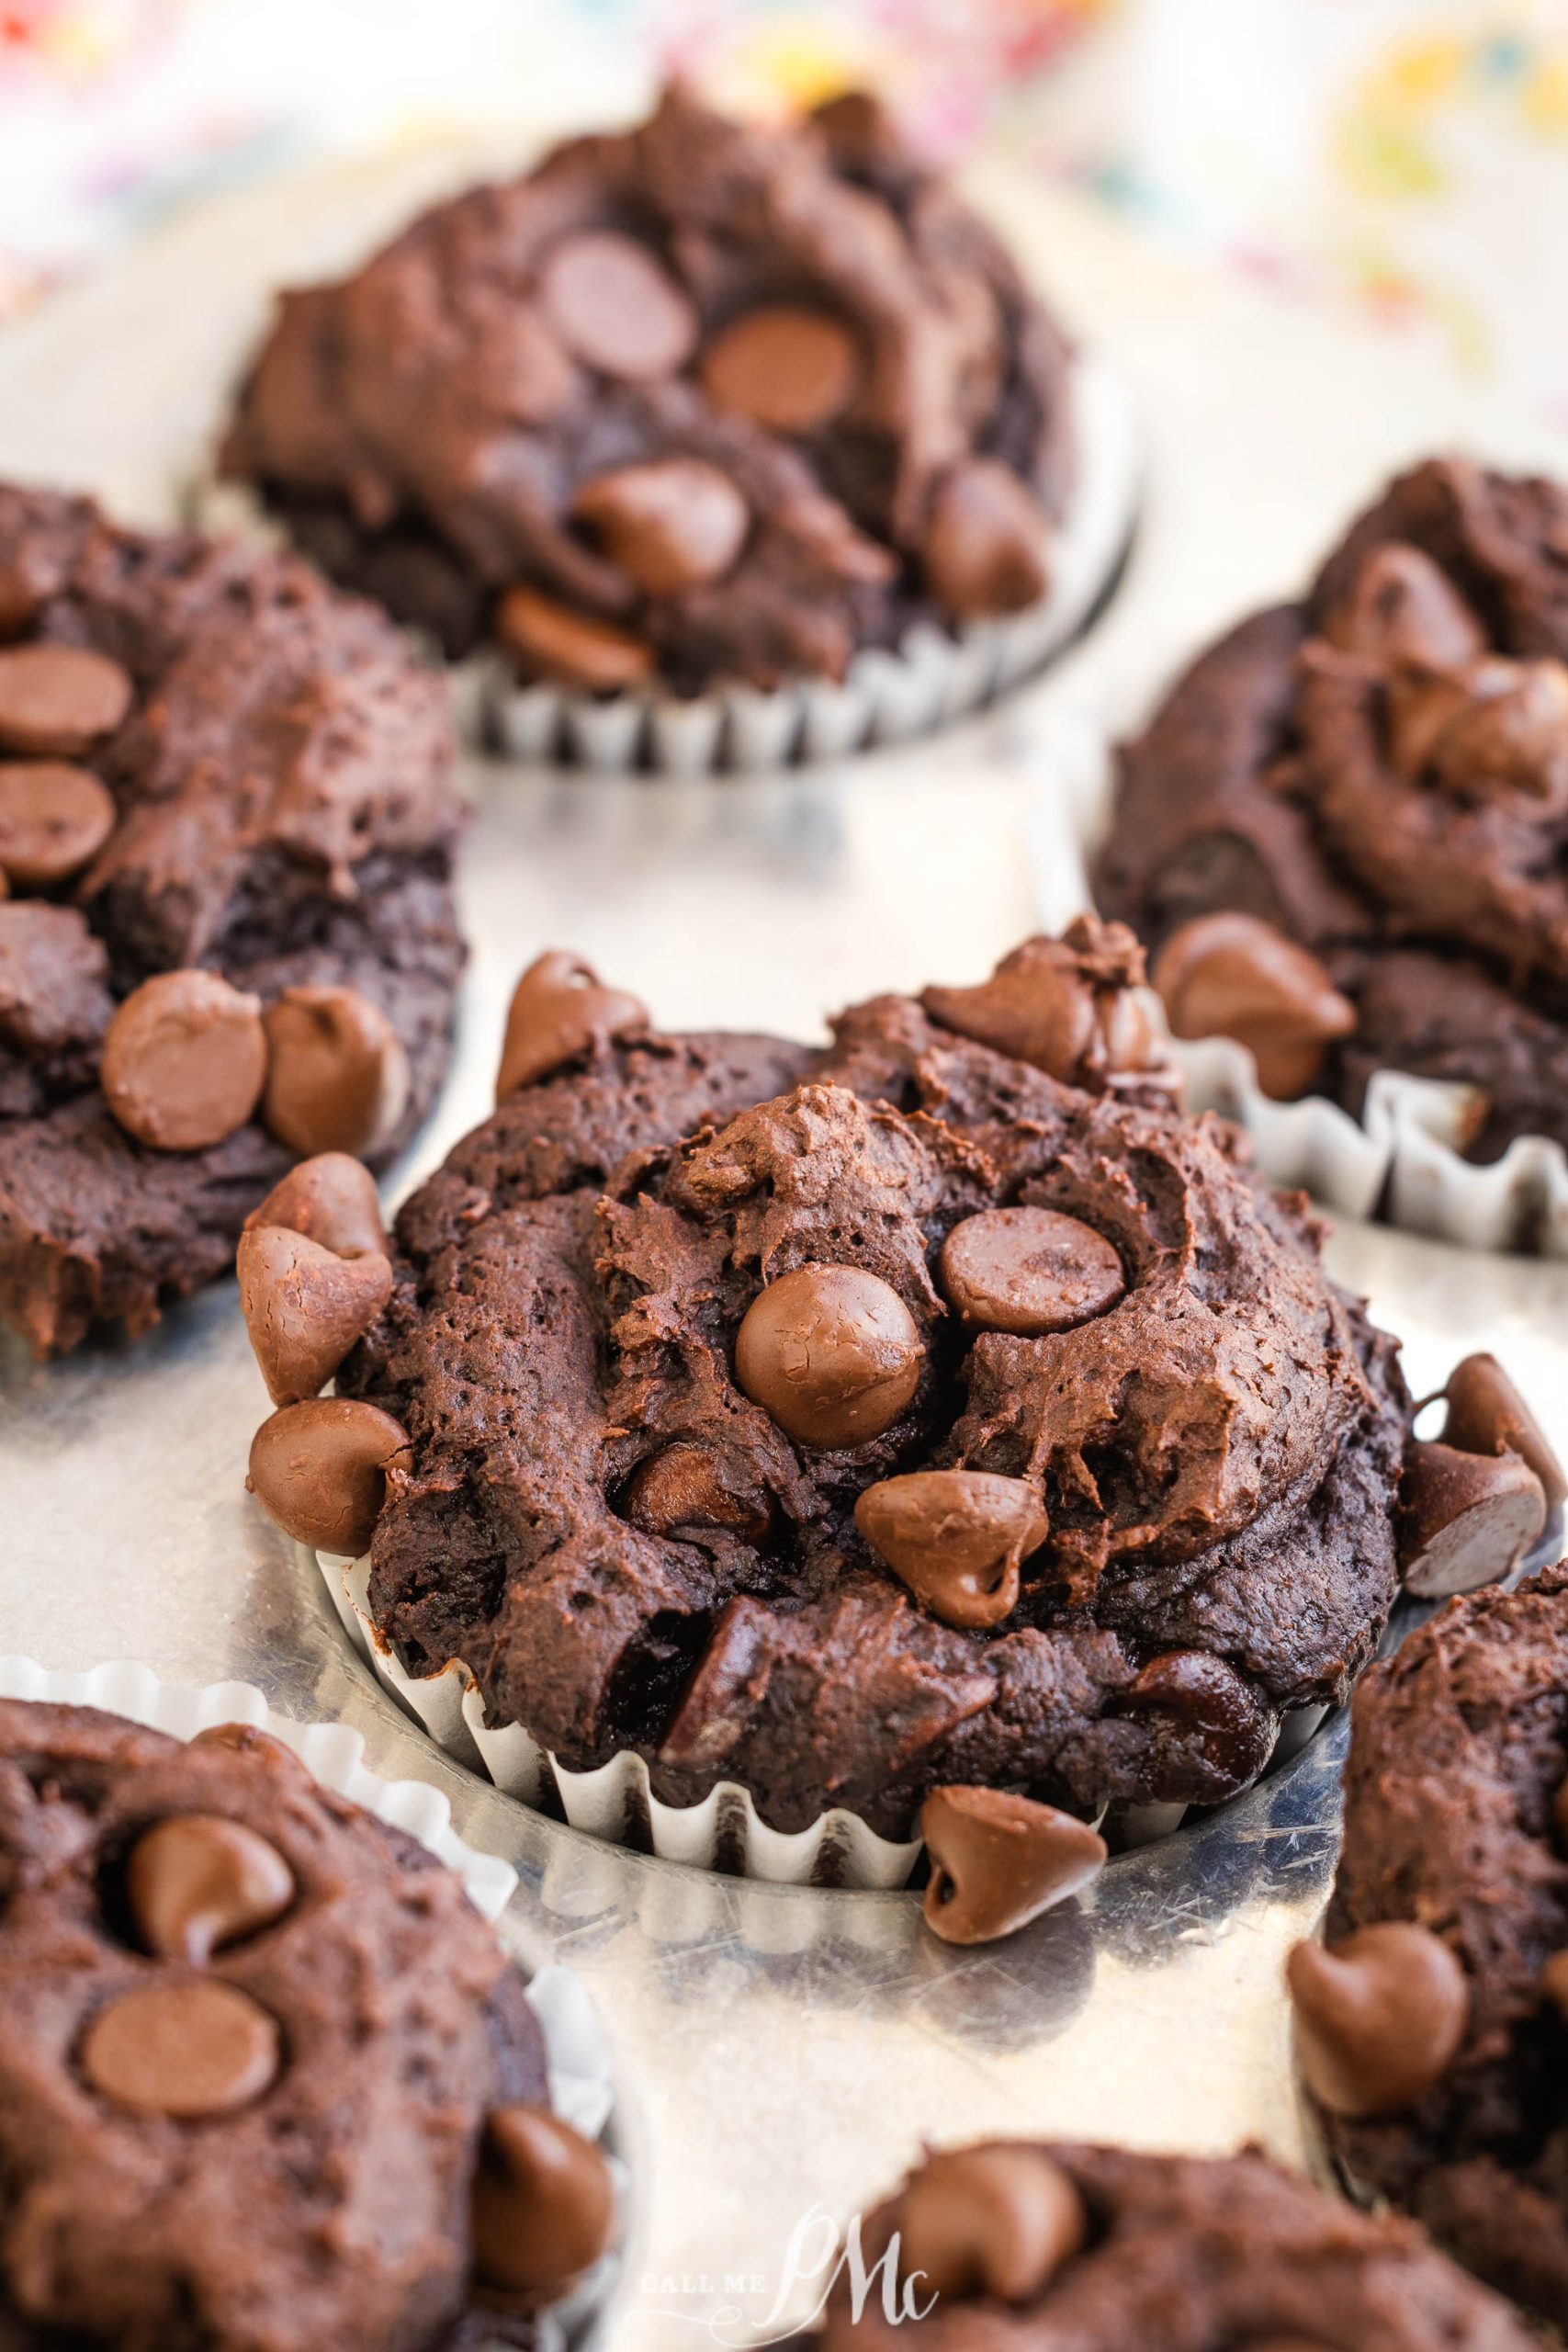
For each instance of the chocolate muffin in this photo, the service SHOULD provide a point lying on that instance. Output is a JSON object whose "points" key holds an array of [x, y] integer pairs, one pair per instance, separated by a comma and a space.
{"points": [[265, 2077], [1342, 830], [1432, 2028], [1011, 2243], [941, 1407], [693, 402], [227, 822]]}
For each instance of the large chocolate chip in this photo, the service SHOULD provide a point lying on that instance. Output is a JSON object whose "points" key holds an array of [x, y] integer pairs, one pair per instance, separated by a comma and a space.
{"points": [[1074, 1007], [1465, 1519], [189, 2049], [787, 367], [1029, 1272], [996, 2221], [1501, 728], [331, 1199], [56, 699], [956, 1538], [184, 1061], [1215, 1713], [1380, 2019], [985, 543], [197, 1882], [679, 1488], [53, 818], [832, 1353], [999, 1860], [544, 2203], [553, 642], [614, 305], [337, 1075], [1235, 975], [1403, 607], [561, 1010], [1486, 1414], [305, 1307], [674, 524], [319, 1470]]}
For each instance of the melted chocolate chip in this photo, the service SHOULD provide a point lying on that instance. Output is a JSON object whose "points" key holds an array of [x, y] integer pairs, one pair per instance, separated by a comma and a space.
{"points": [[832, 1353], [1029, 1272], [189, 2049], [681, 1487], [554, 641], [999, 1860], [784, 366], [1403, 607], [55, 700], [184, 1061], [615, 306], [1379, 2019], [996, 2221], [673, 524], [54, 820], [197, 1882]]}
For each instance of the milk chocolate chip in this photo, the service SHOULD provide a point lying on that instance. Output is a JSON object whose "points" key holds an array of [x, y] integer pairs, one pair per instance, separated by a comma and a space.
{"points": [[616, 307], [1029, 1272], [56, 699], [985, 543], [331, 1200], [1403, 607], [560, 1009], [544, 2203], [197, 1882], [337, 1075], [784, 366], [570, 646], [999, 1860], [1074, 1007], [1465, 1519], [53, 819], [1555, 1981], [672, 525], [832, 1353], [305, 1307], [193, 2049], [1486, 1414], [1380, 2019], [679, 1488], [1234, 976], [956, 1538], [184, 1061], [319, 1470], [1508, 733], [997, 2221]]}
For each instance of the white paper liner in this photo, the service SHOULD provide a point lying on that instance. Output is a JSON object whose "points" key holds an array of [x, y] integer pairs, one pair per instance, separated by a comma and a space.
{"points": [[580, 2073], [1401, 1161]]}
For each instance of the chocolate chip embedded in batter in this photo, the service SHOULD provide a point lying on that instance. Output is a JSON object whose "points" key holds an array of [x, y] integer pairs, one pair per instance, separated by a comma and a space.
{"points": [[832, 1352], [56, 699], [1074, 1007], [189, 2049], [544, 2203], [673, 524], [1486, 1414], [1215, 1714], [1403, 607], [615, 306], [955, 1538], [1234, 976], [1029, 1272], [985, 542], [185, 1060], [1465, 1519], [1379, 2019], [1555, 1981], [561, 1010], [319, 1470], [337, 1075], [571, 647], [197, 1882], [20, 599], [331, 1199], [53, 819], [305, 1308], [679, 1488], [996, 2221], [999, 1860], [785, 366], [1506, 733]]}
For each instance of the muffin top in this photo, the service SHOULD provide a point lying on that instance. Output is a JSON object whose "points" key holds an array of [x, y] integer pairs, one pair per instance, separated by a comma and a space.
{"points": [[700, 400]]}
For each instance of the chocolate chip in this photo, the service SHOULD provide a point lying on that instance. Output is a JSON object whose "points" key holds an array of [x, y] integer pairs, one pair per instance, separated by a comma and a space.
{"points": [[561, 1010], [1074, 1007], [318, 1470], [1234, 976], [337, 1075], [193, 2049], [1508, 733], [1403, 607], [955, 1537], [1029, 1272], [53, 819], [679, 1488], [330, 1199], [544, 2203], [672, 525], [56, 699], [553, 642], [985, 542], [1554, 1983], [998, 2222], [784, 366], [1379, 2019], [197, 1882], [21, 598], [999, 1860], [615, 306], [305, 1308], [832, 1353], [1218, 1719], [185, 1060], [1486, 1414], [1465, 1519]]}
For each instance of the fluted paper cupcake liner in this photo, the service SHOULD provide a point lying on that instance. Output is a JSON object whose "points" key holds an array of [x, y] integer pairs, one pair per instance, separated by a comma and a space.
{"points": [[581, 2076]]}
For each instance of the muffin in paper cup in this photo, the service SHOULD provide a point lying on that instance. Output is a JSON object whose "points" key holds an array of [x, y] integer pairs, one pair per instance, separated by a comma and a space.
{"points": [[580, 2077]]}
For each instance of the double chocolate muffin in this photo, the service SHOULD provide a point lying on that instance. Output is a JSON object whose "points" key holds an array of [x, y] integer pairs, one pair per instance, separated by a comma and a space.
{"points": [[266, 2077], [1343, 831], [227, 936], [699, 401]]}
